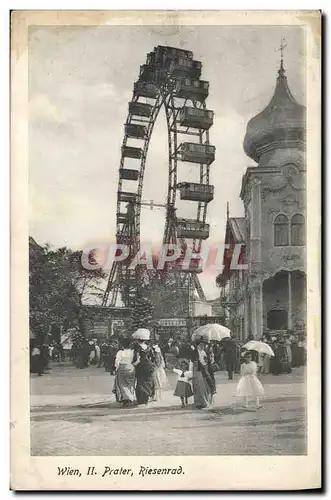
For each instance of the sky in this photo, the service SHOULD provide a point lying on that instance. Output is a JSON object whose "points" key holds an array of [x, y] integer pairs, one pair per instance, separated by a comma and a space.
{"points": [[80, 83]]}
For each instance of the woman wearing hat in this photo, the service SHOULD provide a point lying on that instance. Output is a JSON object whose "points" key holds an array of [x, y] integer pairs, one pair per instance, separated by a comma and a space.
{"points": [[143, 361], [202, 381], [125, 374]]}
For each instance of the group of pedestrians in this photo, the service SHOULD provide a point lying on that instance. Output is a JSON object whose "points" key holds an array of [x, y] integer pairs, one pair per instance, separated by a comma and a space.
{"points": [[139, 366], [108, 351], [224, 355], [140, 372], [41, 353], [84, 353], [289, 352], [80, 353], [39, 357]]}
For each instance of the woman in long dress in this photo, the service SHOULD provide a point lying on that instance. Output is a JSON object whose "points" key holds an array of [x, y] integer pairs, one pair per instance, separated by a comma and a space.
{"points": [[92, 356], [124, 384], [265, 363], [36, 362], [302, 351], [211, 366], [282, 358], [144, 364], [264, 359], [203, 387], [279, 363], [160, 377], [288, 350]]}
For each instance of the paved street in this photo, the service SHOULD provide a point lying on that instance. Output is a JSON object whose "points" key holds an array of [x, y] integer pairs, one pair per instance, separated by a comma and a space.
{"points": [[73, 412]]}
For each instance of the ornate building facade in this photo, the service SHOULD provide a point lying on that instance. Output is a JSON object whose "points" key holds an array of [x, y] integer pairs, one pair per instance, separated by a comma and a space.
{"points": [[271, 293]]}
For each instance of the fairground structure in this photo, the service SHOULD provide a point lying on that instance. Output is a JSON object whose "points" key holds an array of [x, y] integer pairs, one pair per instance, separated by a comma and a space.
{"points": [[170, 79]]}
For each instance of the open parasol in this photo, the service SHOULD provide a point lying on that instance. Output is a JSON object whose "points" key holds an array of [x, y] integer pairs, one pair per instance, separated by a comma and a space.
{"points": [[209, 332], [260, 347], [141, 334]]}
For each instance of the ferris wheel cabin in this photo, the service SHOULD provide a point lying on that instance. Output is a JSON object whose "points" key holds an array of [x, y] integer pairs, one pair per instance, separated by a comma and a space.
{"points": [[167, 62], [150, 74], [135, 131], [164, 51], [185, 67], [189, 88], [196, 118], [130, 152], [196, 192], [197, 153], [177, 62], [190, 228], [129, 174], [126, 197], [145, 89], [140, 109]]}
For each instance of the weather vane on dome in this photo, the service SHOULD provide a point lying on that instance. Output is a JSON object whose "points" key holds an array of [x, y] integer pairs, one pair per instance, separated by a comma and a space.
{"points": [[281, 48]]}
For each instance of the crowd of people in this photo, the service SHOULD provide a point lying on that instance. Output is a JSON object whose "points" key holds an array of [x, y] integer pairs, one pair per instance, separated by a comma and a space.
{"points": [[140, 366], [41, 353], [141, 377], [290, 352]]}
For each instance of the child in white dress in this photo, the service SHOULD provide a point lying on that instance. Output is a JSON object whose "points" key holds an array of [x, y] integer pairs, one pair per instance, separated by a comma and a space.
{"points": [[249, 385], [183, 388]]}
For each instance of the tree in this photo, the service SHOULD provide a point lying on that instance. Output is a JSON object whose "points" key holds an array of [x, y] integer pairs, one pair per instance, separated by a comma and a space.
{"points": [[142, 311], [46, 291], [87, 283], [59, 284], [169, 299]]}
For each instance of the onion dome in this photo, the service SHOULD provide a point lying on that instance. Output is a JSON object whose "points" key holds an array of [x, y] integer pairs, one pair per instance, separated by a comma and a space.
{"points": [[280, 124]]}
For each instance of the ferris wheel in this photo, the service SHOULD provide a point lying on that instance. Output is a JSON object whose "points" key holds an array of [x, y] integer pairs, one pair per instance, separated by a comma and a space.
{"points": [[170, 78]]}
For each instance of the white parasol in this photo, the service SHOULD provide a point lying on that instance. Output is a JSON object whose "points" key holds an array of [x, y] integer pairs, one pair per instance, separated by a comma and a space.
{"points": [[211, 331], [260, 347], [141, 334]]}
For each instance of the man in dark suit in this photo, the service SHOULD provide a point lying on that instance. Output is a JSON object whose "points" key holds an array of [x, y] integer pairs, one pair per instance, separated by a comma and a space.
{"points": [[230, 356]]}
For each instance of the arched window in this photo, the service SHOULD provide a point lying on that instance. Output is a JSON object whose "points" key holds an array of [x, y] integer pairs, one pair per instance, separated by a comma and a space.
{"points": [[281, 232], [298, 230]]}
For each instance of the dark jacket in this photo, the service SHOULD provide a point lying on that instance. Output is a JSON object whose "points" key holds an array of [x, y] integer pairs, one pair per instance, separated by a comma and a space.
{"points": [[230, 350]]}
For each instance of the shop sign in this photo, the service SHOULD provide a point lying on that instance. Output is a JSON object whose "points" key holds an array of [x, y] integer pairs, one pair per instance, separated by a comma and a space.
{"points": [[172, 322]]}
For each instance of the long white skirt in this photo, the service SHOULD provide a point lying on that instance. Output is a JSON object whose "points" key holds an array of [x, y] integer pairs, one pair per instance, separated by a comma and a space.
{"points": [[249, 385], [160, 378]]}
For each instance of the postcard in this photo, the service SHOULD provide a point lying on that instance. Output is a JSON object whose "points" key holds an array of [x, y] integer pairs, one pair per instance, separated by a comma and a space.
{"points": [[165, 270]]}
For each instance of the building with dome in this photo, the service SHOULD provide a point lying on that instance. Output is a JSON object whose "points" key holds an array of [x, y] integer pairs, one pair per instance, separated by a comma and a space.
{"points": [[270, 294]]}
